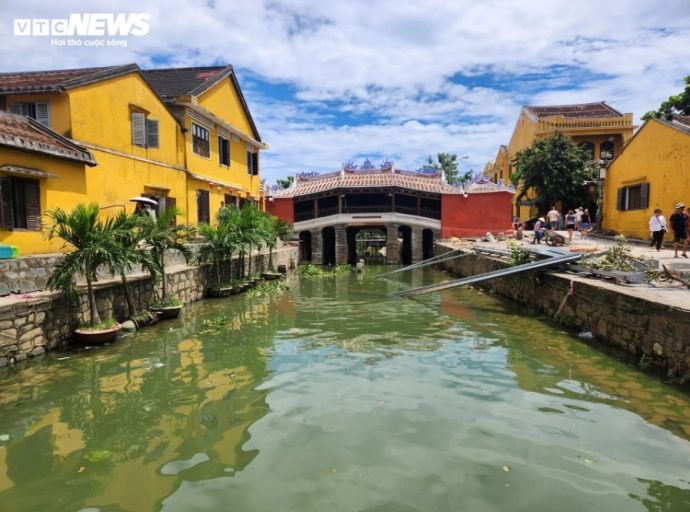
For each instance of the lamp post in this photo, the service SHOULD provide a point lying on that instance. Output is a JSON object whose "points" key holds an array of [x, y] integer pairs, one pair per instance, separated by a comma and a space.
{"points": [[604, 163]]}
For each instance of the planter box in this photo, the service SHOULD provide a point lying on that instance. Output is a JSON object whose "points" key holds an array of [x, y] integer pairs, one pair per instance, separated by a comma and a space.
{"points": [[96, 337]]}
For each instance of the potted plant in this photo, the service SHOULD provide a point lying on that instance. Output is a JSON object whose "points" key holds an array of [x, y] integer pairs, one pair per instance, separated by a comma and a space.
{"points": [[161, 235], [93, 243]]}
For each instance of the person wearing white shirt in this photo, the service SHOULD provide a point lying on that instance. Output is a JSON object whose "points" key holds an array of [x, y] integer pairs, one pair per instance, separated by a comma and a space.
{"points": [[657, 226]]}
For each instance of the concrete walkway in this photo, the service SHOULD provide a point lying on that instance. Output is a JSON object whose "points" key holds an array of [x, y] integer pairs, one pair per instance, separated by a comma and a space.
{"points": [[672, 294]]}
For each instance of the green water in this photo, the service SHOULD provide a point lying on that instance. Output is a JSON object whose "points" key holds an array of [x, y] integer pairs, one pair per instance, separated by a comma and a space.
{"points": [[334, 397]]}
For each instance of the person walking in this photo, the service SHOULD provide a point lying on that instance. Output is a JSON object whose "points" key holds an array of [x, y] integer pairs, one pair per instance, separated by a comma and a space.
{"points": [[657, 227], [570, 224], [552, 217], [584, 223], [679, 224]]}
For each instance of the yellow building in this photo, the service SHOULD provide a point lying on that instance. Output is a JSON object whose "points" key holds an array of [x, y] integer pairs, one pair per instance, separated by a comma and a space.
{"points": [[597, 127], [38, 168], [183, 137], [221, 140], [653, 171]]}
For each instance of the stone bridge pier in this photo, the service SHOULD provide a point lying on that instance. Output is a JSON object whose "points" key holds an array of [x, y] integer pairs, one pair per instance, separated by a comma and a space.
{"points": [[405, 244]]}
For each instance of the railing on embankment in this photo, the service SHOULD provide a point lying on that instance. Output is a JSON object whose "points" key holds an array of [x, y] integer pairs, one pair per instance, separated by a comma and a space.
{"points": [[656, 335]]}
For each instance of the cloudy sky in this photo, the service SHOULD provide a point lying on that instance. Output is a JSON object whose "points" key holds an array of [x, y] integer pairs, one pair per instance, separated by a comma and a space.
{"points": [[331, 81]]}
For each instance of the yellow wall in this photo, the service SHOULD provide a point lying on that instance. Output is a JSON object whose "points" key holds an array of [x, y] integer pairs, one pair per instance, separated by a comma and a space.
{"points": [[524, 135], [65, 192], [59, 109], [101, 116], [223, 101], [658, 155]]}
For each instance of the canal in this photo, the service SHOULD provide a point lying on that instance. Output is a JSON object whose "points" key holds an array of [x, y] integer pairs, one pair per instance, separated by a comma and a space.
{"points": [[333, 396]]}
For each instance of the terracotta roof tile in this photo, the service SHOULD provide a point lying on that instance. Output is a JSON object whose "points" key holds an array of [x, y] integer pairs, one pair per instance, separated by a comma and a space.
{"points": [[24, 133], [684, 120], [57, 80], [580, 110], [367, 179], [174, 82]]}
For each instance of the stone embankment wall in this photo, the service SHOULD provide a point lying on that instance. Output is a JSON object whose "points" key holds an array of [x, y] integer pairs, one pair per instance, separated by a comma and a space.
{"points": [[31, 326], [655, 335]]}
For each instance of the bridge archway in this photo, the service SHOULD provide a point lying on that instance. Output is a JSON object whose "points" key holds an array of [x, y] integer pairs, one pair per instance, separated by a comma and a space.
{"points": [[305, 246], [366, 242], [427, 244], [405, 235], [328, 246]]}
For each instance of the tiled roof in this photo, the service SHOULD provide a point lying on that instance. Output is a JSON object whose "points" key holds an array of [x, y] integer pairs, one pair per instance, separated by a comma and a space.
{"points": [[58, 80], [24, 133], [580, 110], [684, 120], [359, 179], [174, 82]]}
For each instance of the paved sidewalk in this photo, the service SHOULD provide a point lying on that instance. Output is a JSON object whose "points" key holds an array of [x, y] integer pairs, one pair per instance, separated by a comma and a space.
{"points": [[673, 294]]}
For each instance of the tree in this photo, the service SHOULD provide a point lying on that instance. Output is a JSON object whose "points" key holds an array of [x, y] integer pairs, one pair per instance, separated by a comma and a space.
{"points": [[94, 244], [162, 234], [673, 106], [556, 169], [286, 182], [448, 163]]}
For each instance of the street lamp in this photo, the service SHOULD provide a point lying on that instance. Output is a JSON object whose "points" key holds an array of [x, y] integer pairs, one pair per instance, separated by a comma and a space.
{"points": [[604, 162]]}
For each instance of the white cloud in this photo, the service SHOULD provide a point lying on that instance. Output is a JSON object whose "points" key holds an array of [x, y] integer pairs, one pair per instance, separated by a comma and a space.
{"points": [[387, 67]]}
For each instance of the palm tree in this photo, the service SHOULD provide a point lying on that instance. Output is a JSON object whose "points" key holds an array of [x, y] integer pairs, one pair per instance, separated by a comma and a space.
{"points": [[161, 235], [230, 218], [250, 230], [214, 247], [129, 229], [93, 243]]}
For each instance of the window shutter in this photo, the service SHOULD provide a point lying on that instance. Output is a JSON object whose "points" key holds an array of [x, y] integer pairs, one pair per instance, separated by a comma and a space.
{"points": [[16, 108], [138, 129], [43, 113], [644, 195], [32, 193], [6, 210], [621, 198], [151, 133]]}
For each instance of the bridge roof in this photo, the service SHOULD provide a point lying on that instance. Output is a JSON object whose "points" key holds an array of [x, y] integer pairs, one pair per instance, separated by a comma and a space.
{"points": [[312, 183]]}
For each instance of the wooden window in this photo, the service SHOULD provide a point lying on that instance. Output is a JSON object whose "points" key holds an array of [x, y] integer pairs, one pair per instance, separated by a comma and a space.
{"points": [[252, 162], [606, 151], [144, 131], [635, 197], [224, 151], [200, 140], [151, 133], [230, 201], [40, 111], [20, 203], [202, 207]]}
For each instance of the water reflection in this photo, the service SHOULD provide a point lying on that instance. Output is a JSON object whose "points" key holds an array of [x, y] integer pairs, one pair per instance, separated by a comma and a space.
{"points": [[334, 396]]}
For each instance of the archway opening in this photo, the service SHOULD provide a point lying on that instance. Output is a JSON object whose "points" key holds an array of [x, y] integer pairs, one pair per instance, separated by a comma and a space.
{"points": [[405, 239], [427, 244], [305, 247], [328, 245], [366, 243]]}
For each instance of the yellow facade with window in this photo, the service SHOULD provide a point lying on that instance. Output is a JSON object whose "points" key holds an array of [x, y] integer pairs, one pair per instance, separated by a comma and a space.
{"points": [[595, 126], [653, 171]]}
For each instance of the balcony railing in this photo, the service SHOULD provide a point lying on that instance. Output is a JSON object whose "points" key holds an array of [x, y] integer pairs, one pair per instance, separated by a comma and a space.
{"points": [[558, 123], [428, 212]]}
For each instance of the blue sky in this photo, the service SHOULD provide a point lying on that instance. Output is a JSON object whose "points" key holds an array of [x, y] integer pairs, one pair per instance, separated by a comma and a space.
{"points": [[334, 81]]}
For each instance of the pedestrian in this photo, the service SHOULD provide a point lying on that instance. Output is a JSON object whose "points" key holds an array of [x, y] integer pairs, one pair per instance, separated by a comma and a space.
{"points": [[584, 223], [517, 227], [570, 224], [552, 217], [657, 227], [578, 218], [679, 224], [539, 231]]}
